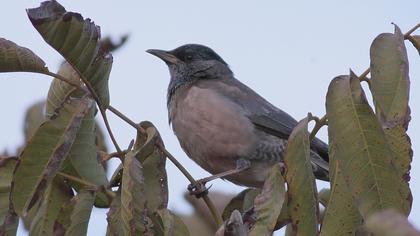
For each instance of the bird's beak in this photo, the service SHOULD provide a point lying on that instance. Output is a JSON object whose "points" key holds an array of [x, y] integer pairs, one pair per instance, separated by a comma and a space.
{"points": [[164, 55]]}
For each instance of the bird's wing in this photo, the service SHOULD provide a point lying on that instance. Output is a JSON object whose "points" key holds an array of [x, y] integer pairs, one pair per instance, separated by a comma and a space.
{"points": [[261, 113]]}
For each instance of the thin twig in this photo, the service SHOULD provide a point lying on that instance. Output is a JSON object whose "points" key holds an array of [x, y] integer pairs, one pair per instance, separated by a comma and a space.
{"points": [[78, 180], [411, 31], [127, 120], [108, 127], [362, 77], [207, 200], [69, 81], [85, 183], [318, 125]]}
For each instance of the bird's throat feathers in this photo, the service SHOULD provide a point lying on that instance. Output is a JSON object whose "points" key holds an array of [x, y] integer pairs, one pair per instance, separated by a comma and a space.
{"points": [[208, 70]]}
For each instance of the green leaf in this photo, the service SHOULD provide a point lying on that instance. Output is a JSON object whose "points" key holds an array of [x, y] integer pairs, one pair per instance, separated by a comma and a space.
{"points": [[82, 160], [390, 223], [114, 217], [63, 221], [57, 194], [7, 165], [324, 196], [362, 151], [390, 90], [10, 224], [415, 40], [44, 153], [172, 224], [133, 202], [14, 58], [33, 119], [233, 226], [390, 83], [154, 171], [8, 219], [241, 202], [78, 40], [284, 218], [289, 230], [30, 215], [341, 217], [82, 205], [268, 203], [400, 145], [60, 91], [301, 189], [116, 176]]}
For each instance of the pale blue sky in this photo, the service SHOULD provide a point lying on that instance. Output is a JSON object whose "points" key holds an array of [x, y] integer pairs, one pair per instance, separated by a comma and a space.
{"points": [[288, 51]]}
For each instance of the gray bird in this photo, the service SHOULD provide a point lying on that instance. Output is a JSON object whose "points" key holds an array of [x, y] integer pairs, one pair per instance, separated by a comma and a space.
{"points": [[223, 125]]}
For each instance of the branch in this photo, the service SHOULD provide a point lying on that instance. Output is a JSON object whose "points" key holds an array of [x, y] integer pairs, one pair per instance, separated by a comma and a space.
{"points": [[85, 183], [318, 124], [127, 120], [207, 200], [78, 180], [406, 35]]}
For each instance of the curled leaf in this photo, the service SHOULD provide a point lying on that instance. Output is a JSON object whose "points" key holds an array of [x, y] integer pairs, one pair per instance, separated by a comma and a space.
{"points": [[14, 58], [78, 40], [302, 195], [390, 81], [171, 223], [133, 202]]}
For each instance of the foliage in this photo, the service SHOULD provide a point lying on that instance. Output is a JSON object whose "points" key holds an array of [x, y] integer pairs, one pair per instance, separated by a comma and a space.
{"points": [[59, 174]]}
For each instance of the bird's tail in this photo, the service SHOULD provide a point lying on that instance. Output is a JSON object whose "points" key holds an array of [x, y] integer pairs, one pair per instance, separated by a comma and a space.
{"points": [[320, 159]]}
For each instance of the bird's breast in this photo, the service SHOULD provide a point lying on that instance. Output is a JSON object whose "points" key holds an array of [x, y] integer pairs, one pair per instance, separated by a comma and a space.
{"points": [[212, 130]]}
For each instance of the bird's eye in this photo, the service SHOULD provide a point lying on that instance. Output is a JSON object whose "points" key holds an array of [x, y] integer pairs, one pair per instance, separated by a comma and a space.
{"points": [[189, 57]]}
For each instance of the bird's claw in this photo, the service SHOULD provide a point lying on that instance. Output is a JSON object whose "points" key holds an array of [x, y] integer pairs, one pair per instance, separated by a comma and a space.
{"points": [[198, 189]]}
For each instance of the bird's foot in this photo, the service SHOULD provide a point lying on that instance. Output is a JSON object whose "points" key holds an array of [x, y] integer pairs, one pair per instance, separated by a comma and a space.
{"points": [[199, 189]]}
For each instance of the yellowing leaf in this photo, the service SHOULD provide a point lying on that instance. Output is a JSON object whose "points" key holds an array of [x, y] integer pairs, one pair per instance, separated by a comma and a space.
{"points": [[390, 81], [361, 149], [268, 203], [302, 195], [341, 216]]}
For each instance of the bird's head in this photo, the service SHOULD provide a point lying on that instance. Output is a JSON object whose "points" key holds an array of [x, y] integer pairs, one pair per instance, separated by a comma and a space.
{"points": [[192, 62]]}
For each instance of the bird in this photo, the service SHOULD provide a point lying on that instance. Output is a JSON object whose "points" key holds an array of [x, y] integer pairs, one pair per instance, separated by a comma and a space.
{"points": [[223, 125]]}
